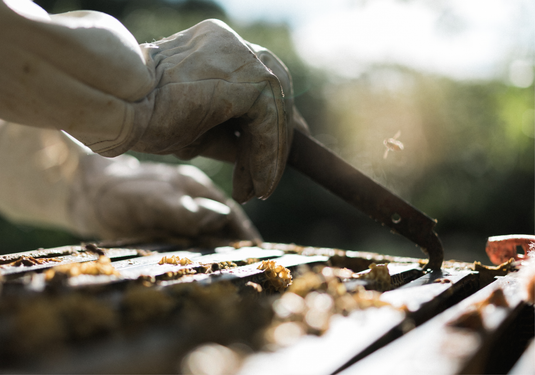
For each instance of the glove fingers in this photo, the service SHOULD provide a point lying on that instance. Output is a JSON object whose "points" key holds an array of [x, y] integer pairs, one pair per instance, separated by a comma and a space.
{"points": [[279, 69], [127, 208], [235, 225], [262, 147], [260, 150], [242, 183], [198, 185], [121, 211], [294, 118], [208, 216], [192, 181], [196, 216]]}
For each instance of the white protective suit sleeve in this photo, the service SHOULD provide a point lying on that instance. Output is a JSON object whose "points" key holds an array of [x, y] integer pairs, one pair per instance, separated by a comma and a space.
{"points": [[49, 180], [80, 72], [201, 91]]}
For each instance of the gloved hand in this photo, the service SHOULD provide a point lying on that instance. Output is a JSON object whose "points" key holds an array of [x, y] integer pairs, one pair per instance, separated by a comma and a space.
{"points": [[216, 98], [47, 179], [188, 94], [124, 198]]}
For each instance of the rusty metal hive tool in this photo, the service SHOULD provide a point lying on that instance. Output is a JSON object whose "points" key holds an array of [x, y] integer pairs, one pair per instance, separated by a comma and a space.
{"points": [[321, 165]]}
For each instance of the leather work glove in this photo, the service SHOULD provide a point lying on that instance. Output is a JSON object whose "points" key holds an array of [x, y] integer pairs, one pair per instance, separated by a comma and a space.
{"points": [[189, 94], [47, 179], [125, 198], [220, 97]]}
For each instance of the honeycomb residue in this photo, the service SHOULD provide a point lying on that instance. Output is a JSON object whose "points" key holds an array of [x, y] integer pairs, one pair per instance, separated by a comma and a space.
{"points": [[379, 274], [279, 277], [175, 259], [487, 273], [309, 303], [224, 265], [177, 274], [31, 261], [101, 266]]}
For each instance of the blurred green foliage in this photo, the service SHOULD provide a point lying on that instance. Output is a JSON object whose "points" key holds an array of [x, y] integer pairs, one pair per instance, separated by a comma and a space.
{"points": [[468, 158]]}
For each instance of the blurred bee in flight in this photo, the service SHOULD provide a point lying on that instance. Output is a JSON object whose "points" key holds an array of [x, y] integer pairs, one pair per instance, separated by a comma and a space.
{"points": [[392, 144]]}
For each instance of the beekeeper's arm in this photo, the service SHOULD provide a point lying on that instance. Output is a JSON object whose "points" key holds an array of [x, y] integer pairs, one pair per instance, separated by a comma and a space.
{"points": [[200, 91], [48, 179]]}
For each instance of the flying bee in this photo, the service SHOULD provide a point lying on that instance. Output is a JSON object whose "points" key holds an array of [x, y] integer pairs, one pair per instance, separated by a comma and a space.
{"points": [[392, 144]]}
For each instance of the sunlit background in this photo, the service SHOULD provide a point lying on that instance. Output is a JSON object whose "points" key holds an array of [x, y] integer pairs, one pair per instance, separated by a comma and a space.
{"points": [[452, 79]]}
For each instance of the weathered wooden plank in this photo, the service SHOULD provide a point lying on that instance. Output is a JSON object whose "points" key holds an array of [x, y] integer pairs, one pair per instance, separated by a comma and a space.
{"points": [[442, 345]]}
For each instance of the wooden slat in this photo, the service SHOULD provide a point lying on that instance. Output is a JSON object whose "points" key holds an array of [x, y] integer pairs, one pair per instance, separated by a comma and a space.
{"points": [[438, 348]]}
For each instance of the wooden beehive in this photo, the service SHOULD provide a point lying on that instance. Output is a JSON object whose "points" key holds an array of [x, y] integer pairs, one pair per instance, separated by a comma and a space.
{"points": [[250, 310]]}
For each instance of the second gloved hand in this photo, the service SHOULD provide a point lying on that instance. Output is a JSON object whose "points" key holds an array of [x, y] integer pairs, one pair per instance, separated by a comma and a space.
{"points": [[123, 198]]}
